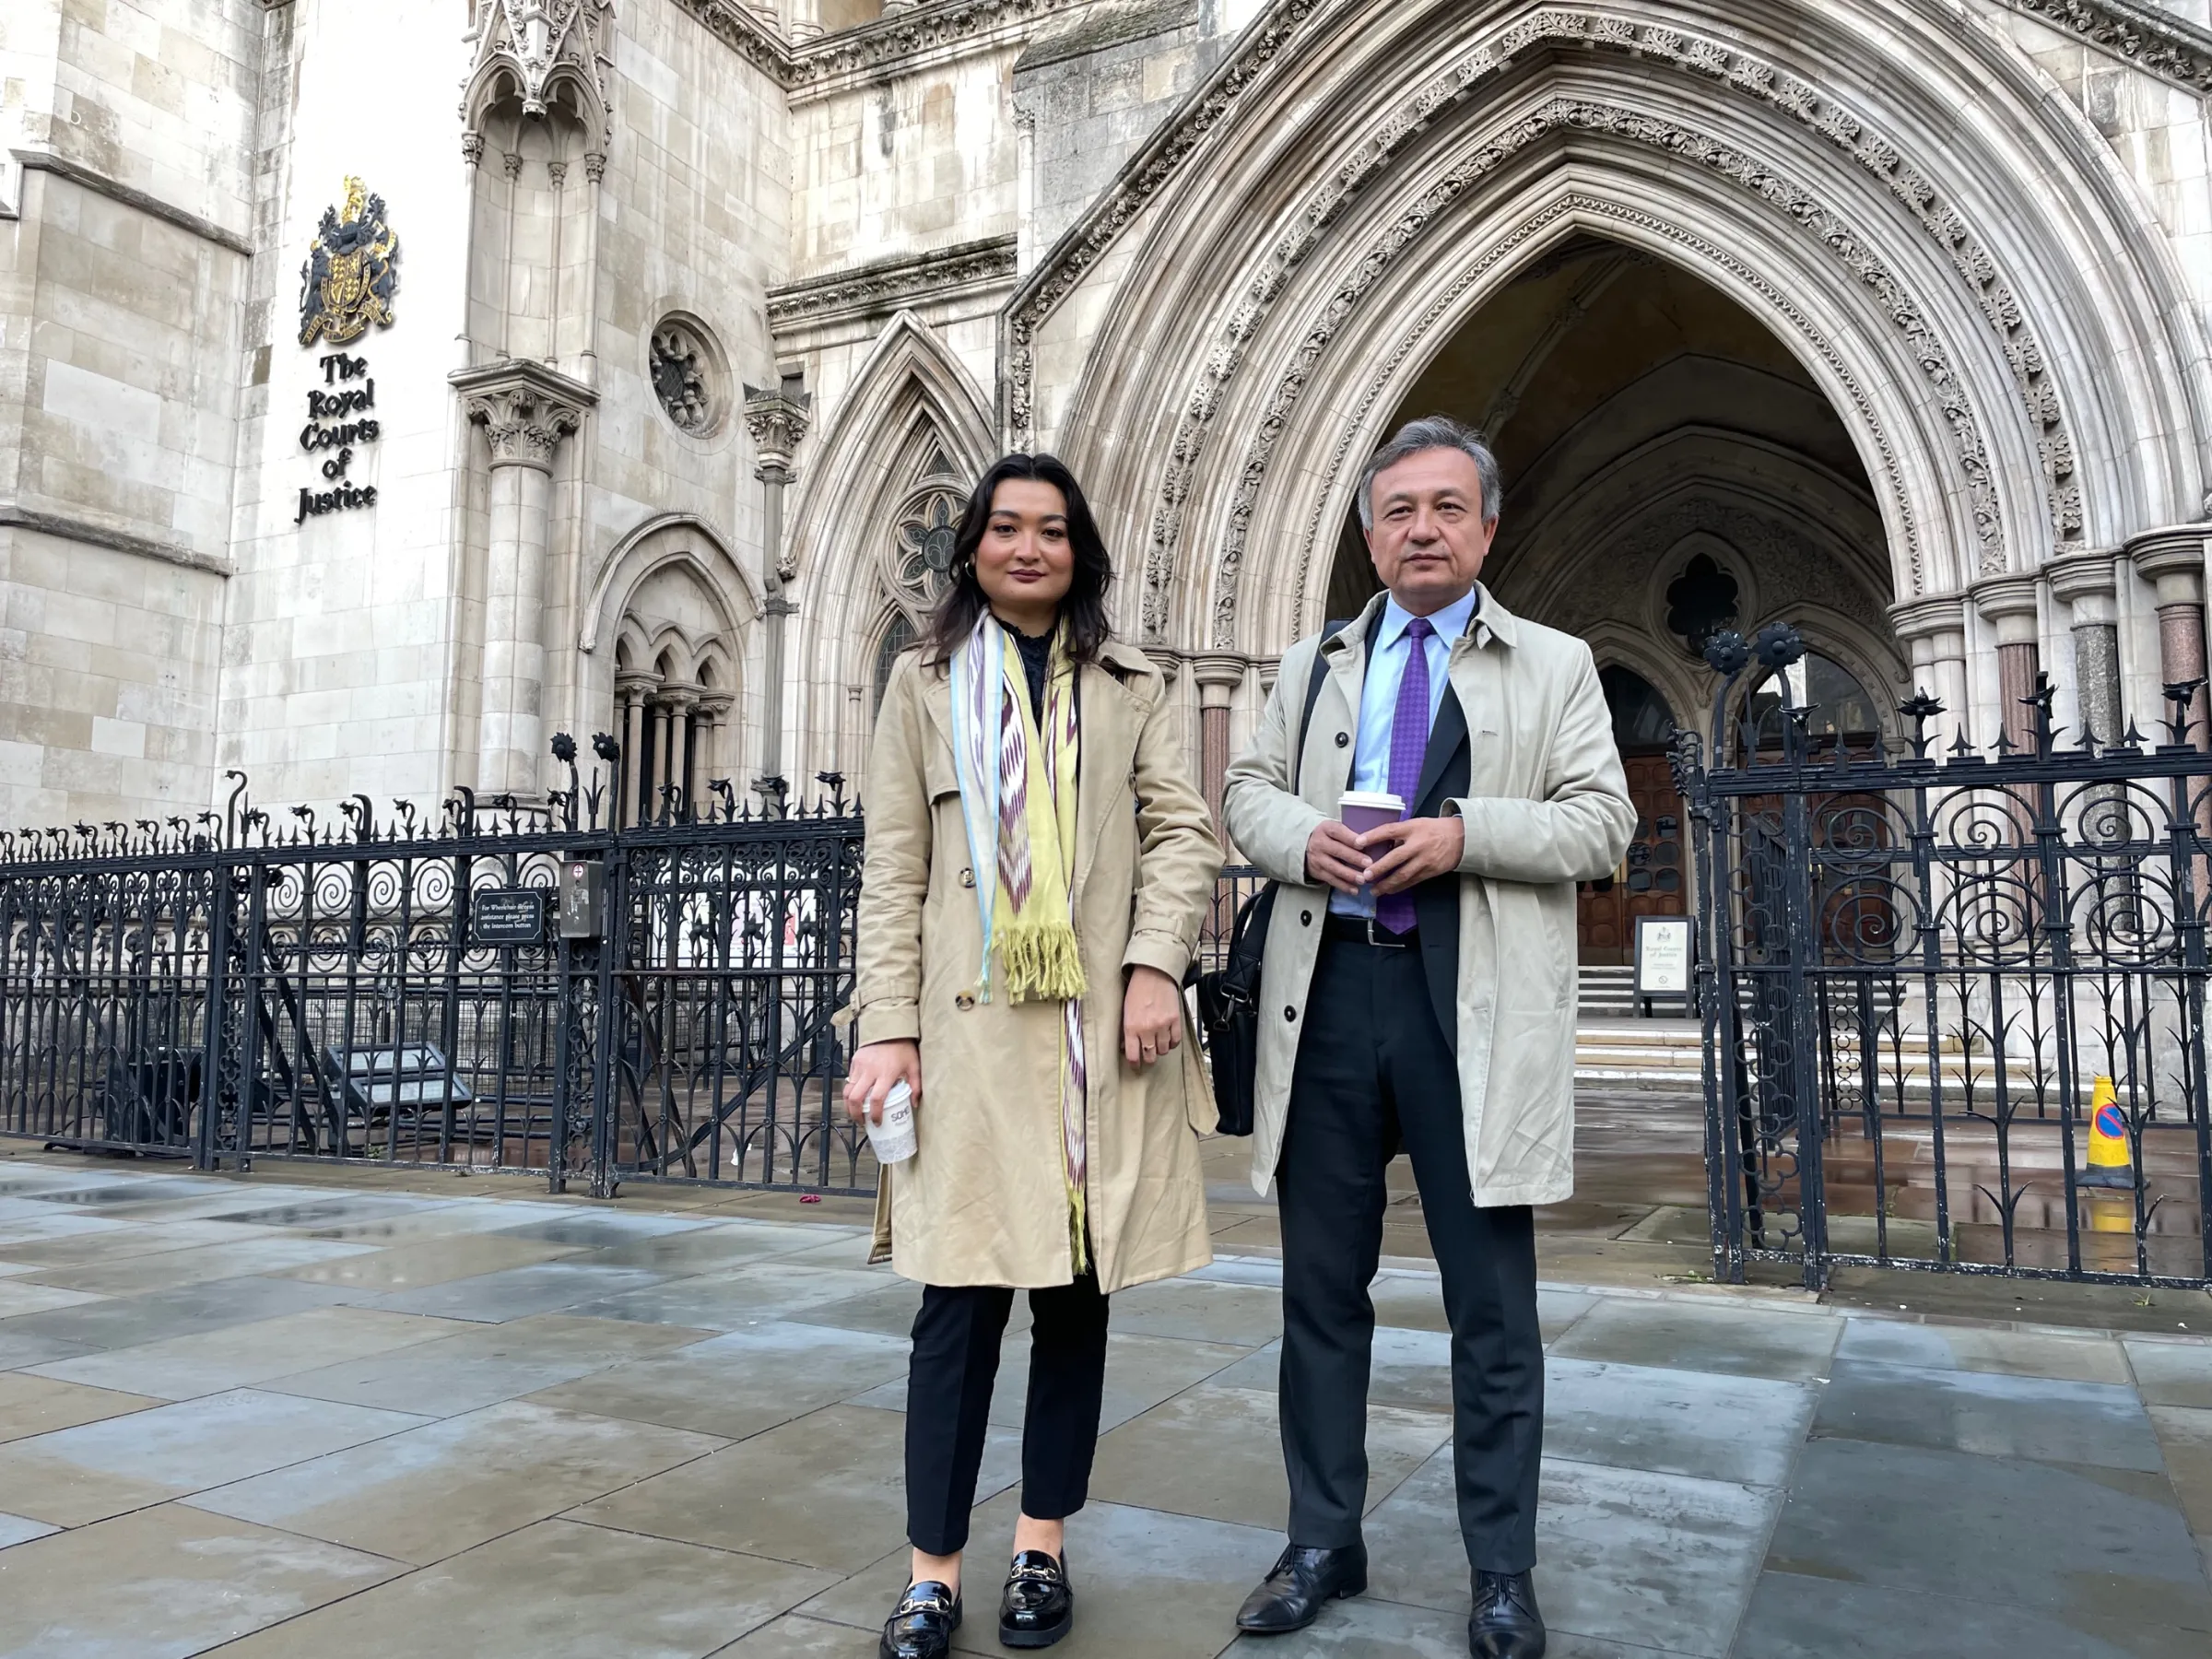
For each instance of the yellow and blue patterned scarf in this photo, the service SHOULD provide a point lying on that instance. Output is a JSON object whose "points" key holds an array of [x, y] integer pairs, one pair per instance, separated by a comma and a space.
{"points": [[1017, 804]]}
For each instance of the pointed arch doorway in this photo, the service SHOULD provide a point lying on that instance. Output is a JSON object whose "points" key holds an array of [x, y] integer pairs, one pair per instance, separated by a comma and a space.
{"points": [[1653, 877]]}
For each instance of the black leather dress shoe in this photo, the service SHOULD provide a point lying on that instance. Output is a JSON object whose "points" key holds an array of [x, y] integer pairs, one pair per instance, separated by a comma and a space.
{"points": [[1302, 1581], [1038, 1605], [1506, 1624], [923, 1625]]}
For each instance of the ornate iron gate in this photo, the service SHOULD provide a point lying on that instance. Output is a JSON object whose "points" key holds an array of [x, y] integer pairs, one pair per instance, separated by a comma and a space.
{"points": [[409, 990], [1925, 975]]}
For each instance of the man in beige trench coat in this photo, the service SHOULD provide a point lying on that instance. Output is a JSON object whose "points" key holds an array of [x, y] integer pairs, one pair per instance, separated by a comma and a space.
{"points": [[1418, 990]]}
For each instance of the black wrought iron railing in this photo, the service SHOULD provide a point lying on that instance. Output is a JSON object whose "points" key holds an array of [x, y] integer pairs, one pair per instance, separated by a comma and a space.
{"points": [[1954, 996], [489, 986]]}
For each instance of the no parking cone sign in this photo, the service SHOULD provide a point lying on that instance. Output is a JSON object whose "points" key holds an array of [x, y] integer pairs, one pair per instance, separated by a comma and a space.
{"points": [[2112, 1163]]}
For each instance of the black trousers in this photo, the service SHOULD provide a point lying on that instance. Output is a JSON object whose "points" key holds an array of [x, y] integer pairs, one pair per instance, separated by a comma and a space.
{"points": [[1373, 1068], [948, 1404]]}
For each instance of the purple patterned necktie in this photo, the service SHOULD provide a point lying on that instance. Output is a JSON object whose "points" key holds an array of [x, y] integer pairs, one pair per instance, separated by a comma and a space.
{"points": [[1408, 750]]}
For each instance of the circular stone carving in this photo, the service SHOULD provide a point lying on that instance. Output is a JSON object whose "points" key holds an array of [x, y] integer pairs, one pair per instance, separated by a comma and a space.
{"points": [[921, 546], [686, 367]]}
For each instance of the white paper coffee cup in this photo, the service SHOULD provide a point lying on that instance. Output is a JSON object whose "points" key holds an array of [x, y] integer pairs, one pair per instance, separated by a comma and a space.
{"points": [[893, 1138]]}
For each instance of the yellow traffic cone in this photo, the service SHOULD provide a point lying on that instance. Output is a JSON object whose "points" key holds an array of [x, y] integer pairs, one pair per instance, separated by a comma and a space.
{"points": [[2112, 1164]]}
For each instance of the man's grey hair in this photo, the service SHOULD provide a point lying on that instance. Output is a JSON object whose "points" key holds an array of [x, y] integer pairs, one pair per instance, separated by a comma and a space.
{"points": [[1433, 432]]}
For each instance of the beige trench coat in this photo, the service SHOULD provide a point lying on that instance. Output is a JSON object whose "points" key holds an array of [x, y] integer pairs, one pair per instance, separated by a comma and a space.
{"points": [[983, 1201], [1546, 806]]}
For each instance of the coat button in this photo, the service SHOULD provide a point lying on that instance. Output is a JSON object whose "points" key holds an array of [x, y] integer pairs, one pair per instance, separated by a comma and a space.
{"points": [[968, 878], [1343, 738], [1305, 918], [964, 1000], [1290, 1014]]}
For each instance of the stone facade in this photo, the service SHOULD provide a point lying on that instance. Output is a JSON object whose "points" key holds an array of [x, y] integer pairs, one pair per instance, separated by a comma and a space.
{"points": [[1886, 316]]}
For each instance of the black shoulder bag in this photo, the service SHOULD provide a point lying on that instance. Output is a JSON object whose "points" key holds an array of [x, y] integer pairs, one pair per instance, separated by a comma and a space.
{"points": [[1228, 997]]}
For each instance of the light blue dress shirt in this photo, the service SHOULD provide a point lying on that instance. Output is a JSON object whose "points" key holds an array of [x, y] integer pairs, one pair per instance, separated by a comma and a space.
{"points": [[1388, 652]]}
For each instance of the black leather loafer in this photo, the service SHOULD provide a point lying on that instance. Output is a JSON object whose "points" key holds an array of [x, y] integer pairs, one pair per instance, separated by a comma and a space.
{"points": [[1506, 1624], [923, 1625], [1301, 1582], [1038, 1605]]}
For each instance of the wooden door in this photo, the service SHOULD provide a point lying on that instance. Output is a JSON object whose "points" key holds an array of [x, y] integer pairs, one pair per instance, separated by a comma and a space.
{"points": [[1652, 880]]}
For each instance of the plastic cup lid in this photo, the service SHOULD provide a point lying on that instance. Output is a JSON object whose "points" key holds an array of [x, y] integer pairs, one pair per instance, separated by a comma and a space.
{"points": [[1378, 803]]}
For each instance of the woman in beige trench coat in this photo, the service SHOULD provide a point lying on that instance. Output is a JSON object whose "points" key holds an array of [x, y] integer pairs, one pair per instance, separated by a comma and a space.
{"points": [[1038, 863]]}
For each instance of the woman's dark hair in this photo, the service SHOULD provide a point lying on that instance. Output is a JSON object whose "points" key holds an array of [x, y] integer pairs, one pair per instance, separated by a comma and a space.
{"points": [[1085, 606]]}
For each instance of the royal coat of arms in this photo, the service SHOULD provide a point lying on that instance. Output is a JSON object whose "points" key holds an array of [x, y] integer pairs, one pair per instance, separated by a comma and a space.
{"points": [[349, 278]]}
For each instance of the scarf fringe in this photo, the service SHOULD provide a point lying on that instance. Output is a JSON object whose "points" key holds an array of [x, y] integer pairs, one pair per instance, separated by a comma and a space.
{"points": [[1040, 962]]}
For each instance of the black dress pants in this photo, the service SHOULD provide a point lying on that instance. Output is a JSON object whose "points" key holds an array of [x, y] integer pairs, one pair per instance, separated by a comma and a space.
{"points": [[1373, 1068], [948, 1404]]}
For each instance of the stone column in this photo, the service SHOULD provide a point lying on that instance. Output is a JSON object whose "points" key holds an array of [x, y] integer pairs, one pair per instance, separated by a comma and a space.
{"points": [[526, 410], [1219, 676], [1935, 631], [776, 421], [2085, 584], [664, 747], [2172, 561], [631, 691], [679, 703], [2008, 603], [713, 720]]}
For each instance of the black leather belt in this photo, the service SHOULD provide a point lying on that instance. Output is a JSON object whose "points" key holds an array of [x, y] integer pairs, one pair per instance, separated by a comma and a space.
{"points": [[1364, 930]]}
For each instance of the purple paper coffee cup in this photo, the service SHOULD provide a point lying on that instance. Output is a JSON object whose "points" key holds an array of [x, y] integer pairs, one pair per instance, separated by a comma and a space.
{"points": [[1362, 812]]}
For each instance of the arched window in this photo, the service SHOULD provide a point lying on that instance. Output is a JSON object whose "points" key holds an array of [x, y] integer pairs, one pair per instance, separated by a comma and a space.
{"points": [[1842, 709], [1642, 721], [896, 637]]}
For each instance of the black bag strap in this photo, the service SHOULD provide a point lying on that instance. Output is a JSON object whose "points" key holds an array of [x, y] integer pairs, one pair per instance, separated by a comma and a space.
{"points": [[1321, 672]]}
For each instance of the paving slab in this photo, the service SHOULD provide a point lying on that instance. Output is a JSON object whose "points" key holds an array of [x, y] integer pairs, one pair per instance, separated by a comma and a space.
{"points": [[2087, 1546], [2185, 1438], [1794, 1617], [1998, 1415], [164, 1583], [731, 1299], [604, 1229], [133, 1321], [1162, 1586], [2065, 1356], [26, 1291], [486, 1364], [1198, 1311], [34, 1404], [1216, 1452], [318, 1211], [737, 1384], [29, 1228], [795, 1635], [423, 1262], [2172, 1374], [18, 1350], [1623, 1555], [239, 1356], [515, 1292], [171, 1270], [22, 1529], [450, 1485], [64, 1246], [1698, 1336], [825, 1491], [1368, 1627], [71, 1476], [706, 1246], [1743, 1429], [639, 1597]]}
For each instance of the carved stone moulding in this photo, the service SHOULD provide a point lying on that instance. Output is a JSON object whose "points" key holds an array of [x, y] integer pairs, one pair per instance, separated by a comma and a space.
{"points": [[884, 287], [525, 410]]}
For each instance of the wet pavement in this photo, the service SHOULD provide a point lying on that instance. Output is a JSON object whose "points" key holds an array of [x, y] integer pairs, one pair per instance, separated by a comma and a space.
{"points": [[334, 1413]]}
